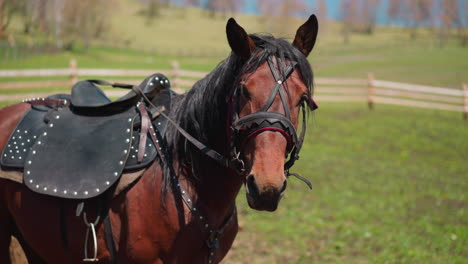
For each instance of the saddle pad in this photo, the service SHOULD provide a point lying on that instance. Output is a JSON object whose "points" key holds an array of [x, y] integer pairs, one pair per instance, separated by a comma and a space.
{"points": [[79, 156], [126, 181], [76, 155], [23, 138], [34, 124]]}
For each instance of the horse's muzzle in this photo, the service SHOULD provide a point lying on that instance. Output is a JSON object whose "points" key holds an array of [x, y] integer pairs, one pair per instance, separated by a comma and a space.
{"points": [[266, 199]]}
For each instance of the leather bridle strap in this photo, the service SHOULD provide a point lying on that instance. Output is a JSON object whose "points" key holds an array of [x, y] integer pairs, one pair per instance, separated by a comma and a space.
{"points": [[271, 117], [279, 86], [261, 121], [234, 163], [295, 153]]}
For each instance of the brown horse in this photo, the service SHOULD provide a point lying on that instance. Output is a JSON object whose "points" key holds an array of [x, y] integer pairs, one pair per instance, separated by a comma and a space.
{"points": [[248, 107]]}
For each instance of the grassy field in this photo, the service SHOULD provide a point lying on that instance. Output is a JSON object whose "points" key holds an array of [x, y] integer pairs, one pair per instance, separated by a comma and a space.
{"points": [[390, 185]]}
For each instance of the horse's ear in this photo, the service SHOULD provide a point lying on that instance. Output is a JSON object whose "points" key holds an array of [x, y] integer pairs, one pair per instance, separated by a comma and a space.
{"points": [[306, 35], [241, 44]]}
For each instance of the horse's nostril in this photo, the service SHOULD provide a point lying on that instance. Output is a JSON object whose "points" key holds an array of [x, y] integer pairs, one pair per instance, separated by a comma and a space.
{"points": [[284, 186], [252, 188]]}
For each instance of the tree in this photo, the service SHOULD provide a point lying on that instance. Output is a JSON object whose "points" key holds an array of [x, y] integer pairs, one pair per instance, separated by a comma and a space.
{"points": [[7, 9], [420, 12], [152, 11], [321, 9], [394, 10], [192, 2], [449, 18], [85, 20], [277, 15], [369, 15], [464, 28], [349, 17], [221, 6]]}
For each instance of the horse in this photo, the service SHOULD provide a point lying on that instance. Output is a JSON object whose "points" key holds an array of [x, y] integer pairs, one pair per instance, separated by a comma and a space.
{"points": [[232, 128]]}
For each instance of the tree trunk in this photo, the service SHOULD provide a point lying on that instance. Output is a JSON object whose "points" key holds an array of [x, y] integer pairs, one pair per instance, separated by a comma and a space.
{"points": [[2, 17]]}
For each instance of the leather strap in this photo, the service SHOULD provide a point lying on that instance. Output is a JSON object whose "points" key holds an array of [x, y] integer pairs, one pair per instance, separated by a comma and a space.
{"points": [[117, 85], [48, 102], [134, 88], [145, 124], [63, 231], [110, 243], [203, 148]]}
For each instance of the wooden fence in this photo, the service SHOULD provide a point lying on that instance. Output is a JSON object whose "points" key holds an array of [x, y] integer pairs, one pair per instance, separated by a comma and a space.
{"points": [[367, 90]]}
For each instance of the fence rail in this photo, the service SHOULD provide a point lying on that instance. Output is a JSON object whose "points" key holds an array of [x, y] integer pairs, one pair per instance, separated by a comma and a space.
{"points": [[367, 90]]}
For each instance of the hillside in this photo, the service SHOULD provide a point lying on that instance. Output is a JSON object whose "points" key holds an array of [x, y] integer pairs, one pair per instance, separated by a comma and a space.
{"points": [[198, 42]]}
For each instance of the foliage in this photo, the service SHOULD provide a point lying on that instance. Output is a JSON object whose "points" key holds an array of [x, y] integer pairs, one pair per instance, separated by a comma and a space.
{"points": [[8, 8]]}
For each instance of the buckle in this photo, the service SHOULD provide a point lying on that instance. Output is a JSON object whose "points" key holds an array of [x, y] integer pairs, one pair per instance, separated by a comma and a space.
{"points": [[213, 239], [237, 164]]}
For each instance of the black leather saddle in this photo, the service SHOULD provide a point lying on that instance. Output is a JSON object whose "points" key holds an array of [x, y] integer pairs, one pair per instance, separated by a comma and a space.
{"points": [[78, 148]]}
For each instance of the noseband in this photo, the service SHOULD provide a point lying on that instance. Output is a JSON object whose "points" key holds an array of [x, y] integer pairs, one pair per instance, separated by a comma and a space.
{"points": [[241, 129]]}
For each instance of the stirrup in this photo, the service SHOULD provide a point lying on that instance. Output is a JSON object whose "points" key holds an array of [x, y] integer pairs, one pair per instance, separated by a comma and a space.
{"points": [[90, 227]]}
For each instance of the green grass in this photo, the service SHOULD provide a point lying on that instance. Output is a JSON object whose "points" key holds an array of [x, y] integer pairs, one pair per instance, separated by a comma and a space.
{"points": [[389, 187]]}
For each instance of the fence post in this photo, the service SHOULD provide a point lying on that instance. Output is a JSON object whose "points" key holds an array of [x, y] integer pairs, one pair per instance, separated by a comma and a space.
{"points": [[73, 71], [175, 74], [465, 101], [370, 90]]}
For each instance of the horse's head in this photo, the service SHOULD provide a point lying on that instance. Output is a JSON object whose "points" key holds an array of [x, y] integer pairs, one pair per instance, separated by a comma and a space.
{"points": [[265, 107]]}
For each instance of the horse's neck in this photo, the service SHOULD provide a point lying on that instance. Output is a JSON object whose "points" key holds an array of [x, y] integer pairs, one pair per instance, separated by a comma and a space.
{"points": [[215, 187], [216, 191]]}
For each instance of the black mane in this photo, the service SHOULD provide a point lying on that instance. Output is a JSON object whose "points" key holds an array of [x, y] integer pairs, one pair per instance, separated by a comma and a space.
{"points": [[202, 111]]}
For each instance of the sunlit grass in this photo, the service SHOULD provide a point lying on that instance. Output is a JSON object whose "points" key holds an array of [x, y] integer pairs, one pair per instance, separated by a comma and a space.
{"points": [[389, 187]]}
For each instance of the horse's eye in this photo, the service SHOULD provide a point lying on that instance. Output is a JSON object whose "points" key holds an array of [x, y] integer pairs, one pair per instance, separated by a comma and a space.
{"points": [[244, 91]]}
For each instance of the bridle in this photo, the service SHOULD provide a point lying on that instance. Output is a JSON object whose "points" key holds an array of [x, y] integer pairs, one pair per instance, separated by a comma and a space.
{"points": [[248, 126], [241, 129]]}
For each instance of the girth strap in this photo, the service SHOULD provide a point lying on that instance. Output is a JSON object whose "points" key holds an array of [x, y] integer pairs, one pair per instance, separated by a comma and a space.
{"points": [[110, 243]]}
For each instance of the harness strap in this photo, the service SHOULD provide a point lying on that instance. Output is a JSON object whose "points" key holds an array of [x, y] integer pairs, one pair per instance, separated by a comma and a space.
{"points": [[145, 124], [117, 85], [279, 86], [47, 101], [212, 241], [110, 243], [63, 231], [234, 164], [270, 117], [295, 153], [285, 103]]}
